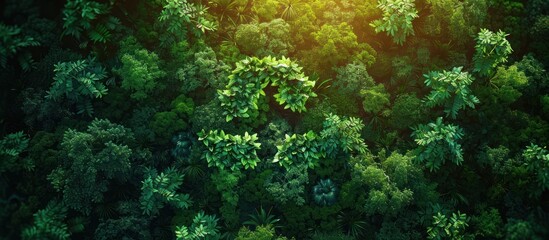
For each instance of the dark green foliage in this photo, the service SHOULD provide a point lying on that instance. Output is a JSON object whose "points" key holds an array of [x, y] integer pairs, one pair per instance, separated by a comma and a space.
{"points": [[226, 183], [325, 192], [121, 228], [226, 151], [450, 89], [166, 124], [90, 161], [437, 143], [78, 82], [331, 236], [158, 189], [262, 218], [197, 67], [488, 223], [48, 223], [273, 133], [183, 143], [203, 227], [537, 162], [89, 17], [407, 111], [352, 78], [11, 146], [491, 50], [516, 229], [280, 119], [289, 186], [12, 43]]}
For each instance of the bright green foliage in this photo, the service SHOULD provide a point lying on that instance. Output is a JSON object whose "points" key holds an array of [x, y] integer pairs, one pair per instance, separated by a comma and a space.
{"points": [[90, 161], [81, 16], [226, 151], [10, 147], [177, 14], [183, 106], [491, 50], [203, 227], [375, 99], [298, 149], [289, 186], [388, 183], [262, 218], [78, 82], [265, 9], [437, 142], [12, 41], [352, 78], [397, 19], [140, 72], [342, 135], [506, 84], [325, 192], [451, 89], [338, 45], [537, 162], [246, 83], [260, 233], [158, 189], [48, 223], [264, 39], [452, 228]]}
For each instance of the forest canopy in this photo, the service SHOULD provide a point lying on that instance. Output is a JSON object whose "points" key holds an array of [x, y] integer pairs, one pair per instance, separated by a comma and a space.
{"points": [[274, 119]]}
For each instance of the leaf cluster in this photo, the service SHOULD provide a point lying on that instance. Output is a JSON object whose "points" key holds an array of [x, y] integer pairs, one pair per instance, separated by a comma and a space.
{"points": [[451, 89], [203, 227], [246, 83], [437, 142], [227, 151], [397, 19], [158, 189], [491, 50]]}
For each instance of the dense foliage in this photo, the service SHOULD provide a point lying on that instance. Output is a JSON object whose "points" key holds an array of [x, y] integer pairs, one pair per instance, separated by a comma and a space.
{"points": [[274, 119]]}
